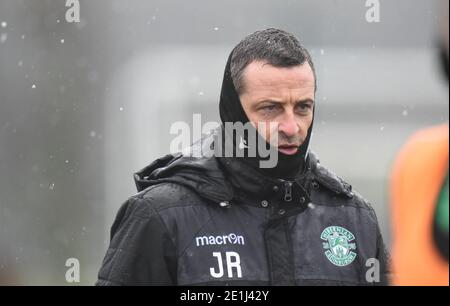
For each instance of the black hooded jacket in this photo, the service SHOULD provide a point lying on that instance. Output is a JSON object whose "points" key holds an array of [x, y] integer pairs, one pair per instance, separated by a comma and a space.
{"points": [[224, 221], [218, 221]]}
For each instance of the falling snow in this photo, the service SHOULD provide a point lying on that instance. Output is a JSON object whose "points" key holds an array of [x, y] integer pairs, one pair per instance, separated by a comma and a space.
{"points": [[4, 24]]}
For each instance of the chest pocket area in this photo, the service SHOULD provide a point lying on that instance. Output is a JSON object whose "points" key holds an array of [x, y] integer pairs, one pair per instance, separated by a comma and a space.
{"points": [[330, 249]]}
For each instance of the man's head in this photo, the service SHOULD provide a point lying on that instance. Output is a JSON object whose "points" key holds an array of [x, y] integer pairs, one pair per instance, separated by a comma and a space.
{"points": [[275, 79]]}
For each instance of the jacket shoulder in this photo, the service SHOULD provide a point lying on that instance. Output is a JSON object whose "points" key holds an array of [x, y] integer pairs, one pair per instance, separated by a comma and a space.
{"points": [[337, 186], [166, 195], [141, 250]]}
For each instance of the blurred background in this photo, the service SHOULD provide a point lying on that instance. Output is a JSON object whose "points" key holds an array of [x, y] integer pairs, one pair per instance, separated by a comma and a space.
{"points": [[84, 105]]}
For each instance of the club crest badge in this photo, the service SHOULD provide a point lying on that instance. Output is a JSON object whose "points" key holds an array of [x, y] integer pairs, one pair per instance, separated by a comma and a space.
{"points": [[339, 245]]}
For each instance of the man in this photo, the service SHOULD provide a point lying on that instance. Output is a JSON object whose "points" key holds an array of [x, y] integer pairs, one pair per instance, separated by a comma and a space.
{"points": [[226, 220]]}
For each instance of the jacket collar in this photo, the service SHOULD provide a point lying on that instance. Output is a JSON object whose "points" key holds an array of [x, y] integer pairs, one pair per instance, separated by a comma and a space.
{"points": [[222, 179]]}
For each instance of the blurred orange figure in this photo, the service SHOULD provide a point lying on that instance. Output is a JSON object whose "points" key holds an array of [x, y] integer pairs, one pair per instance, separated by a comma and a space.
{"points": [[418, 179], [420, 198]]}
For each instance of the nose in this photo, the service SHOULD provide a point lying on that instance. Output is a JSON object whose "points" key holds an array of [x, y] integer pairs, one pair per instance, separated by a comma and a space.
{"points": [[288, 125]]}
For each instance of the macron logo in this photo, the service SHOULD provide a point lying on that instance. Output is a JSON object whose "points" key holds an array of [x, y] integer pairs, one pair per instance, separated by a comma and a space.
{"points": [[218, 240]]}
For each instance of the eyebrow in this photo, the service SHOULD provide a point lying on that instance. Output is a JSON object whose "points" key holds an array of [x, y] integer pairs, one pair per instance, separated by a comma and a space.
{"points": [[308, 100]]}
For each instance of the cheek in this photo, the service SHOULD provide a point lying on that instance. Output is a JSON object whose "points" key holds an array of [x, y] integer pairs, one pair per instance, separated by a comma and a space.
{"points": [[272, 132], [304, 123], [267, 128]]}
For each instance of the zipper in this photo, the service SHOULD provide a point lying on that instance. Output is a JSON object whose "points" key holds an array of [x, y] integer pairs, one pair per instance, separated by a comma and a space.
{"points": [[288, 191]]}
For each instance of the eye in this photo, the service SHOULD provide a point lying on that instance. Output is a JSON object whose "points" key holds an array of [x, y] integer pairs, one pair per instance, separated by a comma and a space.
{"points": [[304, 107], [270, 107]]}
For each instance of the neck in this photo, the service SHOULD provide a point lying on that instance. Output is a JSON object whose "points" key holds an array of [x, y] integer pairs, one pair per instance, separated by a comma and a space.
{"points": [[287, 167]]}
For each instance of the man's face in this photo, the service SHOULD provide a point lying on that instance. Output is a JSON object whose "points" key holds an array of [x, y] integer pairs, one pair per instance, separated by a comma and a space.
{"points": [[283, 97]]}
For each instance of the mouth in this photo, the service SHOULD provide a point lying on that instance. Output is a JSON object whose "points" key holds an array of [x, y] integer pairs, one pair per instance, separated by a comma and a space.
{"points": [[288, 149]]}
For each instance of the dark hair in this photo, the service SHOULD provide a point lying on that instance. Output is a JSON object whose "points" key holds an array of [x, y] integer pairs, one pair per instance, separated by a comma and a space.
{"points": [[279, 48]]}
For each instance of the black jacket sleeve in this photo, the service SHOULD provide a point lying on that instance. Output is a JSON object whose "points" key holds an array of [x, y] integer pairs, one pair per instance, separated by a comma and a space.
{"points": [[384, 260], [141, 251]]}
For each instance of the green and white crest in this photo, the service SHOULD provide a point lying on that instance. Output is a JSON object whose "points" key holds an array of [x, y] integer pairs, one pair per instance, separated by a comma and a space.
{"points": [[338, 245]]}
